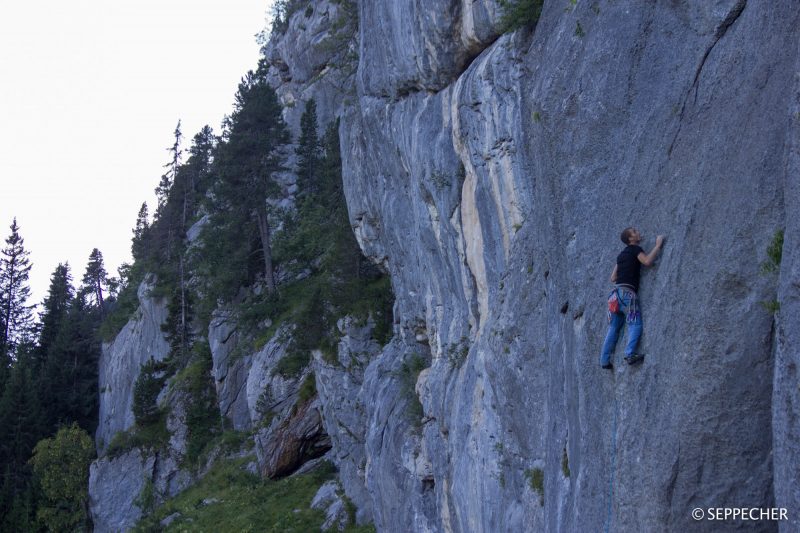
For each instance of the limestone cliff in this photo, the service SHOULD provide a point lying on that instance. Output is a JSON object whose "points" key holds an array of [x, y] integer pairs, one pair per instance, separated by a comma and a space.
{"points": [[490, 175]]}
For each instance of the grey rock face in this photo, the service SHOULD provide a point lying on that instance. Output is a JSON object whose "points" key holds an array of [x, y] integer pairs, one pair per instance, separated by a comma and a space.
{"points": [[406, 46], [115, 486], [786, 396], [248, 389], [314, 58], [604, 117], [139, 341], [282, 448], [118, 506], [253, 395], [398, 470], [327, 498], [169, 477], [490, 176], [343, 411], [230, 373]]}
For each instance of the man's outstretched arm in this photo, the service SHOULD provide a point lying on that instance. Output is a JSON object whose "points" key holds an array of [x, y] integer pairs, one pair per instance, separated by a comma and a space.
{"points": [[647, 260], [614, 274]]}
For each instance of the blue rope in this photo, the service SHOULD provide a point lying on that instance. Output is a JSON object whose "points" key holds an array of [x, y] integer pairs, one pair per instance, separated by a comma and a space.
{"points": [[613, 465]]}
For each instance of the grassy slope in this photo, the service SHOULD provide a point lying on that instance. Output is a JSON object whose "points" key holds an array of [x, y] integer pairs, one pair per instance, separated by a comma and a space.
{"points": [[246, 503]]}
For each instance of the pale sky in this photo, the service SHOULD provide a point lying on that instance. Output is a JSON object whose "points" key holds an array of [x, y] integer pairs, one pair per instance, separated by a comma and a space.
{"points": [[90, 94]]}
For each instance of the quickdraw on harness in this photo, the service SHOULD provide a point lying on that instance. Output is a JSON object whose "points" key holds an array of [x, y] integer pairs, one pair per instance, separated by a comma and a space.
{"points": [[616, 304]]}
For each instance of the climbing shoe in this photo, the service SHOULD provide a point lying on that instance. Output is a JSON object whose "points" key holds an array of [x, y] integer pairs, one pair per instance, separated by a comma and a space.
{"points": [[634, 358], [607, 366]]}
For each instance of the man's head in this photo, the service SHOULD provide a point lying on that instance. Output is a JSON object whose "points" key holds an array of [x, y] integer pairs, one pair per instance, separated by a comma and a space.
{"points": [[631, 235]]}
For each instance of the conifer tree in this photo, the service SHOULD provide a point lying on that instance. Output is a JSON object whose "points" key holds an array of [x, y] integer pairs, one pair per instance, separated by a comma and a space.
{"points": [[16, 318], [168, 178], [95, 278], [200, 159], [175, 151], [69, 377], [162, 192], [168, 213], [55, 307], [246, 164], [308, 150], [140, 233], [20, 429]]}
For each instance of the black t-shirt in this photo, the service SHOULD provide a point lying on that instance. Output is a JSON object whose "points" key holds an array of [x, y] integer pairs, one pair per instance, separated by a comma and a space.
{"points": [[628, 266]]}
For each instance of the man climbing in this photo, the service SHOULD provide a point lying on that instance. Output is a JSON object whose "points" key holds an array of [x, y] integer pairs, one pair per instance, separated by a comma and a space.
{"points": [[623, 302]]}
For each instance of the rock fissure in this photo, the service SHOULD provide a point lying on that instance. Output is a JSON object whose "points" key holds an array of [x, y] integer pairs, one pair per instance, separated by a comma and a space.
{"points": [[720, 32]]}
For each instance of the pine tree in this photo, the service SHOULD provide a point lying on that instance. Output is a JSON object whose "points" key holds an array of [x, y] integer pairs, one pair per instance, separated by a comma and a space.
{"points": [[95, 278], [16, 318], [167, 228], [68, 383], [200, 159], [55, 307], [140, 233], [20, 429], [168, 178], [175, 151], [308, 151], [246, 164]]}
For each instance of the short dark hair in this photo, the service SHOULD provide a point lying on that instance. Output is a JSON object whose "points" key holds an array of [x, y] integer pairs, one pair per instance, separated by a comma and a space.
{"points": [[626, 235]]}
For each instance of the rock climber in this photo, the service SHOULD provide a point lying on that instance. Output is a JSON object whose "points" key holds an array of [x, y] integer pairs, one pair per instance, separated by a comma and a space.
{"points": [[623, 302]]}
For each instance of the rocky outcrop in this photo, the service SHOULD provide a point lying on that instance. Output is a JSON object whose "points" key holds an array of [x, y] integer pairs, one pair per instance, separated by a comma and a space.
{"points": [[329, 500], [298, 439], [254, 395], [123, 488], [786, 395], [315, 58], [401, 54], [140, 340], [230, 370], [339, 384], [490, 175], [607, 115], [116, 487]]}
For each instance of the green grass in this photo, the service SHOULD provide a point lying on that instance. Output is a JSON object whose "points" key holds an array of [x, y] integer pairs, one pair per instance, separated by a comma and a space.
{"points": [[246, 503], [774, 254], [772, 306], [152, 436], [457, 353], [203, 420], [518, 14], [408, 374], [771, 266], [536, 481], [308, 389]]}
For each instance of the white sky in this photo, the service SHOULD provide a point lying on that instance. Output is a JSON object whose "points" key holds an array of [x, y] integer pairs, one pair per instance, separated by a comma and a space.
{"points": [[90, 94]]}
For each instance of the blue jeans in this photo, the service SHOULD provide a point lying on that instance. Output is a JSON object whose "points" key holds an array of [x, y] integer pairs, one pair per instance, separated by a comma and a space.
{"points": [[630, 313]]}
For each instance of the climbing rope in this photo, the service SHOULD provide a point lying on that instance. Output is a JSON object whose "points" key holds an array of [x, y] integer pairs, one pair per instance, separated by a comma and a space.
{"points": [[613, 466]]}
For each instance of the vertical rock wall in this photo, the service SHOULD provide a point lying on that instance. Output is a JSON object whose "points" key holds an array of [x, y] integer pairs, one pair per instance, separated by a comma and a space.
{"points": [[786, 394], [670, 117], [140, 340], [490, 176]]}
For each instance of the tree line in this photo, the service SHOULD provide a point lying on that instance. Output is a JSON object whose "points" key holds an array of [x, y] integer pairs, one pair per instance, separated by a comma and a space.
{"points": [[48, 376], [245, 220]]}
